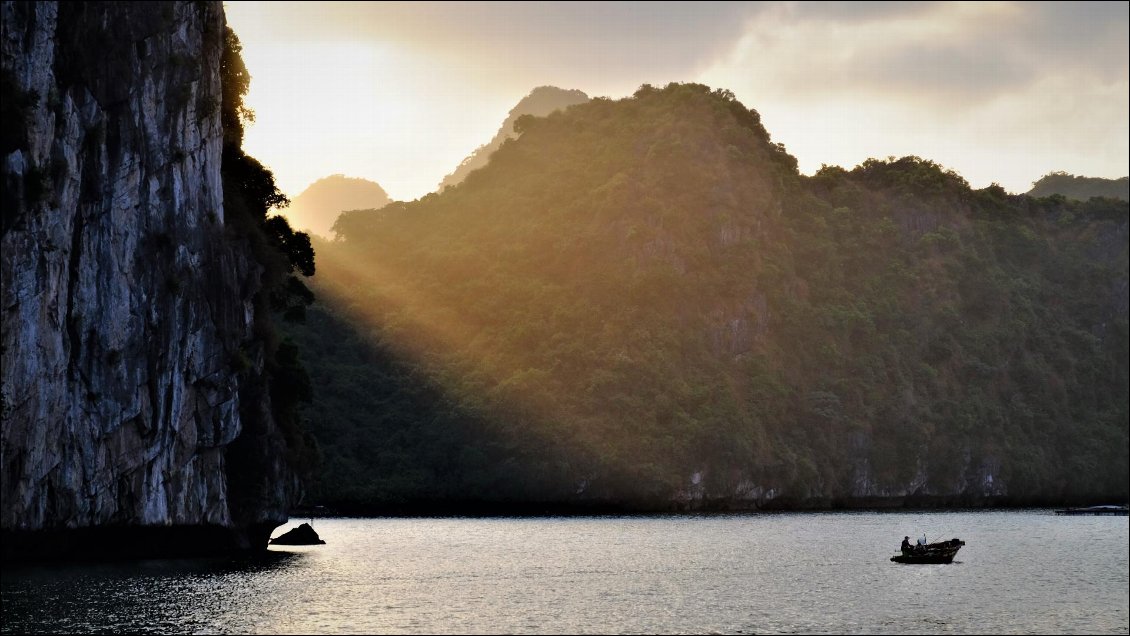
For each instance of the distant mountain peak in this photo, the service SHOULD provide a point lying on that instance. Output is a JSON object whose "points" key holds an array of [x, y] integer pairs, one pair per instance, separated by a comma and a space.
{"points": [[540, 102], [317, 207], [1079, 187]]}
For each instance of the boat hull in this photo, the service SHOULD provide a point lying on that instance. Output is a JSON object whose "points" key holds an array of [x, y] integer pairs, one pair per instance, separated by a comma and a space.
{"points": [[943, 552], [924, 558]]}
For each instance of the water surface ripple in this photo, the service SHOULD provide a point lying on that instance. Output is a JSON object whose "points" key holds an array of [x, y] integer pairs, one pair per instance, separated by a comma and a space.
{"points": [[1020, 572]]}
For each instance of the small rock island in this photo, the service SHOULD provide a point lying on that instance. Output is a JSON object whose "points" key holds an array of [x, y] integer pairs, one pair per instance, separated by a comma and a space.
{"points": [[302, 535]]}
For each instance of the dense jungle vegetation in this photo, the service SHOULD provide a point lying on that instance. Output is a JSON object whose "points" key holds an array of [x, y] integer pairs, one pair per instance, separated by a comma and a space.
{"points": [[642, 303]]}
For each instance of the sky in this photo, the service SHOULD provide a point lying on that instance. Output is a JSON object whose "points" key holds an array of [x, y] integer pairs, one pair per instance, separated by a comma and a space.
{"points": [[400, 93]]}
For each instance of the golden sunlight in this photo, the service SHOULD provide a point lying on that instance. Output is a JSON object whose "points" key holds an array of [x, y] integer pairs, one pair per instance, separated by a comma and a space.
{"points": [[312, 102]]}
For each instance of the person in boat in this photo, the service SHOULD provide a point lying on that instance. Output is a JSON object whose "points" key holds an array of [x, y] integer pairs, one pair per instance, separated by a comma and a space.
{"points": [[906, 545], [921, 547]]}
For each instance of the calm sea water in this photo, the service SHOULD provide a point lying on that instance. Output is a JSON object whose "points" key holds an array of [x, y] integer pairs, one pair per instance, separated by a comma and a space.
{"points": [[1020, 572]]}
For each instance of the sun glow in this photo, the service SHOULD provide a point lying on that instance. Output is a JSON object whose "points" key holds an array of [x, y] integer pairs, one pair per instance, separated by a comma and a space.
{"points": [[309, 102], [365, 108]]}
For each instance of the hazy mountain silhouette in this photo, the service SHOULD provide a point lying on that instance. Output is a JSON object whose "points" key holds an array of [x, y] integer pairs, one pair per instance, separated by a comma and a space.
{"points": [[316, 209], [1080, 188], [542, 101]]}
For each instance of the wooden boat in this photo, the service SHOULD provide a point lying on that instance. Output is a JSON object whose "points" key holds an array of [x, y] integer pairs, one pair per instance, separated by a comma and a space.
{"points": [[1112, 511], [940, 552]]}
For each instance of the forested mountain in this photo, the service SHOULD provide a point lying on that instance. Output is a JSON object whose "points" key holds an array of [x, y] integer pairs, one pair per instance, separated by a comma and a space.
{"points": [[317, 207], [541, 101], [642, 303], [1080, 188]]}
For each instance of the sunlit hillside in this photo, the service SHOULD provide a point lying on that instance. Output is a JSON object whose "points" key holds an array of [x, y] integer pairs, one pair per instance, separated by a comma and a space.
{"points": [[642, 303]]}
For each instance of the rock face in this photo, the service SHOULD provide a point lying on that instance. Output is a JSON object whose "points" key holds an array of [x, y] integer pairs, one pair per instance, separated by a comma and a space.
{"points": [[130, 366]]}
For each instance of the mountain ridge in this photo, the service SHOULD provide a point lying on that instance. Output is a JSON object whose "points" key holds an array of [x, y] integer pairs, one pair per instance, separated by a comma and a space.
{"points": [[1080, 188], [642, 303], [540, 102]]}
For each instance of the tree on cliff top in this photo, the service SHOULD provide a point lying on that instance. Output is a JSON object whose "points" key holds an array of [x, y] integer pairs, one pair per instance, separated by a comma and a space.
{"points": [[250, 193]]}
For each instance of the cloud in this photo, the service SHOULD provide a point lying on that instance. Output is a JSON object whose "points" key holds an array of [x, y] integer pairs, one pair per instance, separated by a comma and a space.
{"points": [[966, 52], [1086, 37], [858, 11], [973, 85], [588, 45]]}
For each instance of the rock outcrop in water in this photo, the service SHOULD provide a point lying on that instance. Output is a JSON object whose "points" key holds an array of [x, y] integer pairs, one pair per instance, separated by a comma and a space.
{"points": [[130, 365], [302, 535]]}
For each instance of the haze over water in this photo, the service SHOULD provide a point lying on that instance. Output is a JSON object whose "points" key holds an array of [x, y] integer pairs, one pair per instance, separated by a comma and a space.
{"points": [[1020, 572]]}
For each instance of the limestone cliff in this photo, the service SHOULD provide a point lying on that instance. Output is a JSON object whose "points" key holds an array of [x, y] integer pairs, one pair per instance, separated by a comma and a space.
{"points": [[130, 366]]}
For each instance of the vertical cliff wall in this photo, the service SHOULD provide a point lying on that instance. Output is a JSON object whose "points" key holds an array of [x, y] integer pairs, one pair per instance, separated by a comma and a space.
{"points": [[127, 309]]}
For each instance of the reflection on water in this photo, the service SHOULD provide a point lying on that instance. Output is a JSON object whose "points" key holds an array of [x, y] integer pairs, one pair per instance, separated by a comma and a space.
{"points": [[1020, 572], [158, 595]]}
